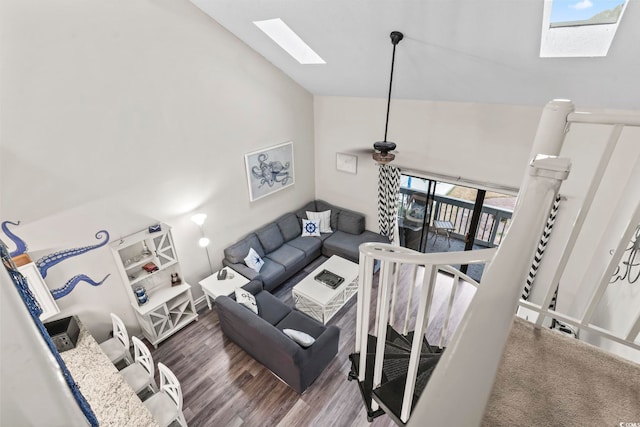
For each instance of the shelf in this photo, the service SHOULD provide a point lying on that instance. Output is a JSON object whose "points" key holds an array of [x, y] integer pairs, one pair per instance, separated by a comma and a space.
{"points": [[168, 308], [142, 274], [139, 263], [161, 296]]}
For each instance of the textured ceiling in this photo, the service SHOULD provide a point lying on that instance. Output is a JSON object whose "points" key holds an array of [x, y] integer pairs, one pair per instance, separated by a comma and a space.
{"points": [[453, 50]]}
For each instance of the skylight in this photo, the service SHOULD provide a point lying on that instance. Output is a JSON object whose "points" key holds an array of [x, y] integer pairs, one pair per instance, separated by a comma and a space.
{"points": [[579, 28], [288, 40], [569, 13]]}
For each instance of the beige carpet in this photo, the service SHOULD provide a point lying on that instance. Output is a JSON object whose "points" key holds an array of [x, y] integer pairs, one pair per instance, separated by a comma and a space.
{"points": [[547, 379]]}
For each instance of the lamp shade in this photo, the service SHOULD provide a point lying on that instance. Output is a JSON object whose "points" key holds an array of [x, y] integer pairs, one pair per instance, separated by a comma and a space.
{"points": [[199, 218], [203, 242]]}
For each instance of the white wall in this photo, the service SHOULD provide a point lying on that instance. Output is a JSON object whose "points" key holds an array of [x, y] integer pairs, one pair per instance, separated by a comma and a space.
{"points": [[481, 142], [117, 115]]}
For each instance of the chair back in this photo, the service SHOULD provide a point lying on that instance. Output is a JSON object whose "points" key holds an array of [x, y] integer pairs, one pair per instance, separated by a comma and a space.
{"points": [[119, 331], [170, 385], [142, 355]]}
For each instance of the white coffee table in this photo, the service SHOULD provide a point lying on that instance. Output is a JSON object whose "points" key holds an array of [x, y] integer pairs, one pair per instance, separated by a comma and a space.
{"points": [[213, 287], [319, 300]]}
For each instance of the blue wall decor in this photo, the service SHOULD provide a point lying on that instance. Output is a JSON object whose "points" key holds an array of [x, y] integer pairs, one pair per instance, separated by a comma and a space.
{"points": [[21, 246], [68, 287], [48, 261]]}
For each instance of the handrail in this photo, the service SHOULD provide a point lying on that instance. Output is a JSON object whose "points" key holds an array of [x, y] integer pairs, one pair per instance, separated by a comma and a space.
{"points": [[501, 292]]}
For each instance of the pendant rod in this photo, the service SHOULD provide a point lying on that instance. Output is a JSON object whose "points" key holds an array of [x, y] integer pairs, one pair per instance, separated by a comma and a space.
{"points": [[386, 125]]}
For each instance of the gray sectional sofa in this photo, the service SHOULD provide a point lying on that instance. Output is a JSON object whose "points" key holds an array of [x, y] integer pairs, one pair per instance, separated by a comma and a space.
{"points": [[285, 251], [261, 336]]}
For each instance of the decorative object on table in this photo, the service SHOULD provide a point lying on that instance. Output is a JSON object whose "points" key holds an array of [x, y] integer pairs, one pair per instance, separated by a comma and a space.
{"points": [[150, 267], [141, 295], [155, 228], [175, 279], [347, 163], [329, 279], [269, 170], [382, 153], [204, 241], [64, 333]]}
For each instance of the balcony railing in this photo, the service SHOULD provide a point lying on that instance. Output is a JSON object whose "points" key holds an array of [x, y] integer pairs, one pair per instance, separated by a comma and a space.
{"points": [[493, 225]]}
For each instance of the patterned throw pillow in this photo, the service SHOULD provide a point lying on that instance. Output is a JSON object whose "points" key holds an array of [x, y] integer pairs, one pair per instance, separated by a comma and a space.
{"points": [[302, 338], [254, 261], [323, 218], [247, 299], [310, 228]]}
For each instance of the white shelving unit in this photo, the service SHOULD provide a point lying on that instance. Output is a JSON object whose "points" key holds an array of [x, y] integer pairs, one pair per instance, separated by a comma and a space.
{"points": [[40, 290], [168, 308]]}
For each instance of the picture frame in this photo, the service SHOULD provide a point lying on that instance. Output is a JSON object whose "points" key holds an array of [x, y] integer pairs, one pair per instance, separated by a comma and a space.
{"points": [[347, 163], [269, 170]]}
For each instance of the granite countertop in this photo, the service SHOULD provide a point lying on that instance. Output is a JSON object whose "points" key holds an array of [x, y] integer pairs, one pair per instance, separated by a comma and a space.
{"points": [[112, 400]]}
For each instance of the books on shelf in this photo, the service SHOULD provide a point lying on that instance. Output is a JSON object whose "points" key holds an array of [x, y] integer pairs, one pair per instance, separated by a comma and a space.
{"points": [[150, 267]]}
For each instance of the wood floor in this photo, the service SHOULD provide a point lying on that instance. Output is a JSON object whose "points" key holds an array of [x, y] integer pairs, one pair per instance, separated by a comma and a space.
{"points": [[223, 386]]}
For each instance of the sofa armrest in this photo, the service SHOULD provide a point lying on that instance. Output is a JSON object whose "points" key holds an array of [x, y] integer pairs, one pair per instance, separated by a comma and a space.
{"points": [[254, 287], [242, 269], [327, 343]]}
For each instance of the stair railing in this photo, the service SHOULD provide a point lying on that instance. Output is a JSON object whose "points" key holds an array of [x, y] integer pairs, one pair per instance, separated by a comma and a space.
{"points": [[391, 260], [500, 290]]}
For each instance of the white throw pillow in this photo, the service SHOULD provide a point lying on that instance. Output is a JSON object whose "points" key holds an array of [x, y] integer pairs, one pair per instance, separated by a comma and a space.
{"points": [[254, 261], [310, 228], [302, 338], [247, 299], [323, 218]]}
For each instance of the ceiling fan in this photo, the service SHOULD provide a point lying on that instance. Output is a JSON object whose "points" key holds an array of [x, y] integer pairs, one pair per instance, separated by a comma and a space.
{"points": [[383, 149]]}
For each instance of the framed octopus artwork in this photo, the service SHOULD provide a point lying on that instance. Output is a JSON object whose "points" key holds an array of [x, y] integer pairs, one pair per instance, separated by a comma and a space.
{"points": [[269, 170]]}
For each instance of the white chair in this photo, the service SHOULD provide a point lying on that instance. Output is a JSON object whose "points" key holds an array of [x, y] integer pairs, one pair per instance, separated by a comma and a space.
{"points": [[166, 405], [139, 375], [117, 348]]}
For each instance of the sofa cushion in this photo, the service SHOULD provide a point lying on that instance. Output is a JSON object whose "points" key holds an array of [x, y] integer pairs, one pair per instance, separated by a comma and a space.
{"points": [[350, 222], [301, 322], [270, 237], [310, 228], [321, 205], [289, 226], [246, 299], [253, 260], [289, 257], [347, 245], [272, 274], [271, 308], [311, 246], [239, 250], [302, 212], [323, 218]]}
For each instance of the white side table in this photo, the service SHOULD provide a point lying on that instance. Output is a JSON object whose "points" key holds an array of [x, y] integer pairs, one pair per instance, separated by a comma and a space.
{"points": [[213, 288]]}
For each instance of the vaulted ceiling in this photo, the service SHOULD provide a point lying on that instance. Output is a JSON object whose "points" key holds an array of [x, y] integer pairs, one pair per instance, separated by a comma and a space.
{"points": [[454, 50]]}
